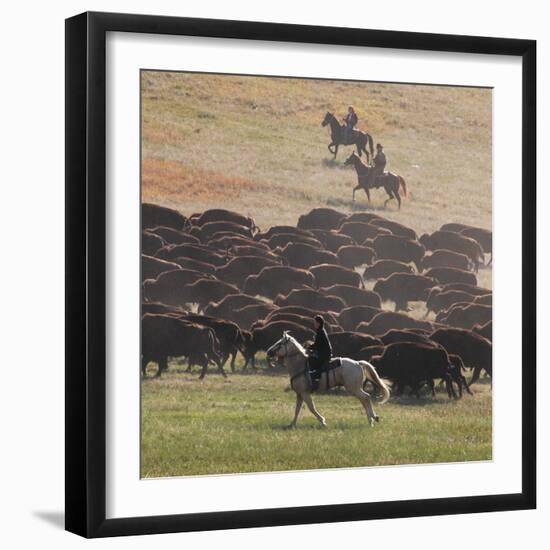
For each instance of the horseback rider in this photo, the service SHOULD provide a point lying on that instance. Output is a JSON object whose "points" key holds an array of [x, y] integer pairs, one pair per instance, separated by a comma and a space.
{"points": [[350, 121], [379, 164], [320, 352]]}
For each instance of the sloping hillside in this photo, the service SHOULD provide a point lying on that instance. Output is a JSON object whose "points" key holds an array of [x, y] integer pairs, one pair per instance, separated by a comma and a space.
{"points": [[256, 145]]}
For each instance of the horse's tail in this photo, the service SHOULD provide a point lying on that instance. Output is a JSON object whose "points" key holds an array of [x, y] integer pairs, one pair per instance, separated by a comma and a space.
{"points": [[403, 185], [372, 375]]}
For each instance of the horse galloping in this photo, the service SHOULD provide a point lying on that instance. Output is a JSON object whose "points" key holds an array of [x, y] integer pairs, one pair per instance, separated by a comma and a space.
{"points": [[338, 137], [350, 374], [389, 181]]}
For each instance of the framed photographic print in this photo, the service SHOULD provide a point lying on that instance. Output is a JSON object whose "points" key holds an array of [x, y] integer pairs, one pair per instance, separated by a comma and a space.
{"points": [[296, 257]]}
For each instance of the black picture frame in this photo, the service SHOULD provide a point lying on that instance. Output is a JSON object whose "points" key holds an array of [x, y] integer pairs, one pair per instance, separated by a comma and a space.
{"points": [[86, 272]]}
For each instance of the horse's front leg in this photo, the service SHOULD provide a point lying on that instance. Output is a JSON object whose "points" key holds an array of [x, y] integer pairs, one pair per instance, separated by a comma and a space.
{"points": [[330, 146], [311, 406], [367, 193], [299, 403], [355, 189], [335, 150]]}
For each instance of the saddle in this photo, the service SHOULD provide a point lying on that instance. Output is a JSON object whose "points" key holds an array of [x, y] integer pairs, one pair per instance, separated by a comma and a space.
{"points": [[316, 374], [347, 139]]}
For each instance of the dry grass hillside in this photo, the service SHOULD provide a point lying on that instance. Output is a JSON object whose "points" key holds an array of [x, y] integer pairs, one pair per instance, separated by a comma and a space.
{"points": [[256, 145]]}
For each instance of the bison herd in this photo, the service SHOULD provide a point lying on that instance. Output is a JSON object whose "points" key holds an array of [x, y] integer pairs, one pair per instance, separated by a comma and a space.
{"points": [[214, 285]]}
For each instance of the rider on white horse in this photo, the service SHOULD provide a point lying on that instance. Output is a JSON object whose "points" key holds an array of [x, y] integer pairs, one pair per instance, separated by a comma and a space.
{"points": [[347, 372], [320, 352]]}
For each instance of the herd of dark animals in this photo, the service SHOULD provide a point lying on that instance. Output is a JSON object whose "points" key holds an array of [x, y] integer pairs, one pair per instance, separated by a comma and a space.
{"points": [[215, 285]]}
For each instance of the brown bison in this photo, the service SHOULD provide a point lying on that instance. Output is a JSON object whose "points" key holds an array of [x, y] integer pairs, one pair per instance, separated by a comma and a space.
{"points": [[351, 317], [391, 247], [205, 291], [382, 269], [446, 258], [174, 236], [454, 227], [321, 218], [282, 239], [364, 217], [304, 312], [484, 299], [244, 250], [246, 316], [153, 215], [353, 296], [483, 236], [196, 265], [279, 229], [229, 303], [440, 301], [355, 255], [151, 267], [332, 240], [393, 336], [163, 336], [386, 320], [228, 334], [360, 232], [170, 287], [401, 288], [311, 299], [349, 344], [202, 253], [366, 354], [222, 215], [475, 351], [163, 309], [448, 240], [208, 230], [151, 243], [485, 330], [466, 315], [395, 228], [236, 270], [307, 322], [470, 289], [275, 280], [413, 364], [303, 256], [225, 241], [447, 275], [328, 275]]}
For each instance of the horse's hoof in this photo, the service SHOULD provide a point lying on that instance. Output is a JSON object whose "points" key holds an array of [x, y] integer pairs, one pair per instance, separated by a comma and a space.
{"points": [[377, 418]]}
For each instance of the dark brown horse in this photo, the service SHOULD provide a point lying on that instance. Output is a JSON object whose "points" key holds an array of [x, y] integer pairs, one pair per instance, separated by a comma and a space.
{"points": [[338, 136], [390, 182]]}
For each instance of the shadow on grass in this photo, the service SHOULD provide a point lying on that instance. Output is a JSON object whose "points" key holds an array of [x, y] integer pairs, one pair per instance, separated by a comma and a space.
{"points": [[332, 163]]}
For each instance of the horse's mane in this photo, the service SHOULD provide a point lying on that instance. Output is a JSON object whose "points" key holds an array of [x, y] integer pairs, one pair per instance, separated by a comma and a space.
{"points": [[296, 343]]}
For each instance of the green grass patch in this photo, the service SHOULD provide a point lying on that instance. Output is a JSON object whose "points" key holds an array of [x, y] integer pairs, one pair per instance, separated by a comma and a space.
{"points": [[238, 424]]}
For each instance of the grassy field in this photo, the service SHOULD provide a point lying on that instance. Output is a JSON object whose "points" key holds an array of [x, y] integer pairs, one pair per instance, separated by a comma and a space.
{"points": [[221, 426], [256, 145]]}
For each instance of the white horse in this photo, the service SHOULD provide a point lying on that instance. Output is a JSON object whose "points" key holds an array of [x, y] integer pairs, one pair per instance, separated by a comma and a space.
{"points": [[350, 374]]}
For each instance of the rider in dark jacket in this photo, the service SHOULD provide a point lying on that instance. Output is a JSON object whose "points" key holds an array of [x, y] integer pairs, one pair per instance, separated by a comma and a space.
{"points": [[320, 352], [351, 120], [379, 164]]}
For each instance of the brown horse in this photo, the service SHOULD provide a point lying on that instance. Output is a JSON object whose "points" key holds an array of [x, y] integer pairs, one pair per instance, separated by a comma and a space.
{"points": [[338, 136], [390, 182]]}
